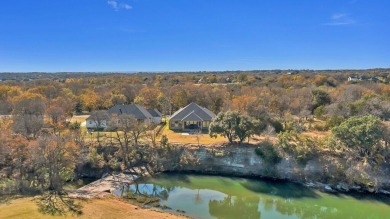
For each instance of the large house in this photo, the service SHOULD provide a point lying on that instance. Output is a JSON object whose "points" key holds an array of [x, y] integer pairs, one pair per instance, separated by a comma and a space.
{"points": [[191, 117], [100, 119]]}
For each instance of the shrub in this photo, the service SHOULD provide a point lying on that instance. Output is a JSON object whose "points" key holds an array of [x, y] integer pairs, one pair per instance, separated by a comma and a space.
{"points": [[320, 128], [278, 126], [7, 186], [268, 153], [333, 121], [302, 148], [74, 126], [319, 111], [164, 141]]}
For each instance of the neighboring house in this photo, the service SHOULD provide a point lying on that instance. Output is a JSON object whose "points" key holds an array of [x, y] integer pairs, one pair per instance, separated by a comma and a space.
{"points": [[140, 113], [374, 79], [364, 78], [353, 78], [190, 117], [292, 73], [100, 119], [156, 115]]}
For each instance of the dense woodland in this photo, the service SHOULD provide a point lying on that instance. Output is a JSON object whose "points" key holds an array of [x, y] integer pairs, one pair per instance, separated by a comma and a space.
{"points": [[40, 150]]}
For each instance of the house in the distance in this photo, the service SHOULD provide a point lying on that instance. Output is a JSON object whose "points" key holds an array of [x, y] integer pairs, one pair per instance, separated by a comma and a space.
{"points": [[191, 117], [101, 120], [156, 115], [140, 113], [354, 78], [98, 120]]}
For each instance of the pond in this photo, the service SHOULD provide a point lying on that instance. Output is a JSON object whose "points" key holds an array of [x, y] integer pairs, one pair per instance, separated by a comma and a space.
{"points": [[225, 197]]}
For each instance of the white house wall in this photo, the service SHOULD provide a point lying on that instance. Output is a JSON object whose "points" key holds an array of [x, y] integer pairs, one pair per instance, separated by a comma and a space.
{"points": [[91, 124]]}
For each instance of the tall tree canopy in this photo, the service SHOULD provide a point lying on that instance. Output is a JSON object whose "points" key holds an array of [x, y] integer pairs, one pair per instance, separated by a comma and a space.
{"points": [[233, 125], [360, 133]]}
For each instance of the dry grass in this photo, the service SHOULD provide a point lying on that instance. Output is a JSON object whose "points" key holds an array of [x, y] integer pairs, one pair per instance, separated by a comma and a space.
{"points": [[205, 139], [317, 134], [178, 137], [96, 208], [173, 136]]}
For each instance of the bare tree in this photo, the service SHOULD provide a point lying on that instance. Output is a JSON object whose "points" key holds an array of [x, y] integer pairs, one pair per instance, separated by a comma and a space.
{"points": [[55, 157], [101, 120], [28, 125], [57, 117], [28, 115], [129, 131]]}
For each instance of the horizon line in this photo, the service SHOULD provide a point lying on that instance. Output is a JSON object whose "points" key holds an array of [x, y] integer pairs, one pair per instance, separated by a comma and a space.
{"points": [[193, 71]]}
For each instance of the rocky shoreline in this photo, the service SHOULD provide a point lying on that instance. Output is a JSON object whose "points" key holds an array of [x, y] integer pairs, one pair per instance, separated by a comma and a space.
{"points": [[102, 187], [242, 161]]}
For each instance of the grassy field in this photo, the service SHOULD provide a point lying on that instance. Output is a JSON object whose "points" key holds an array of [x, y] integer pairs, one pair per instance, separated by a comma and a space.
{"points": [[97, 208], [182, 137], [186, 138], [173, 137]]}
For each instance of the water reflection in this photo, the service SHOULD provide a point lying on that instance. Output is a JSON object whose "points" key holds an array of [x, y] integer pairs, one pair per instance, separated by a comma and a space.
{"points": [[198, 198], [235, 207], [282, 189], [219, 197]]}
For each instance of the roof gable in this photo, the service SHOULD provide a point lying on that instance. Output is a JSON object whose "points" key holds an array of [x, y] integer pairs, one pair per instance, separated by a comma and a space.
{"points": [[192, 117], [193, 108]]}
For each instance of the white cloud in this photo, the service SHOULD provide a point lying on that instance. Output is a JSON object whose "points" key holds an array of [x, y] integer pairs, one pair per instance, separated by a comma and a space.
{"points": [[340, 19], [117, 6], [113, 4], [126, 6]]}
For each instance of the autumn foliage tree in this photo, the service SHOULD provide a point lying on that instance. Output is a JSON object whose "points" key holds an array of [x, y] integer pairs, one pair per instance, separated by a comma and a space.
{"points": [[28, 114]]}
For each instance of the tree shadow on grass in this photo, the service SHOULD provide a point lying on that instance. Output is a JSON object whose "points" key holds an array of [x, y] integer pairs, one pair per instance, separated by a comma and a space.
{"points": [[58, 204]]}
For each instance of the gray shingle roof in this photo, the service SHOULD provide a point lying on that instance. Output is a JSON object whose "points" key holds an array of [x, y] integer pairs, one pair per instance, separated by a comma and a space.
{"points": [[99, 115], [192, 117], [154, 112], [132, 109], [193, 111]]}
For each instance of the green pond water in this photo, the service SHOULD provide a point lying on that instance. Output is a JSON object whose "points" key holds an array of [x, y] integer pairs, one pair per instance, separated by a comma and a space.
{"points": [[226, 197]]}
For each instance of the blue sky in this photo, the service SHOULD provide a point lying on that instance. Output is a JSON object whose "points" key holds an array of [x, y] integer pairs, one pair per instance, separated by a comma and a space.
{"points": [[192, 35]]}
